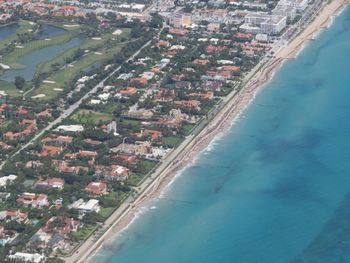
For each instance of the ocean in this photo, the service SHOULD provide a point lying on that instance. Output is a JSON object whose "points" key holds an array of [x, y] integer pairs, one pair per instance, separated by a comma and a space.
{"points": [[275, 187]]}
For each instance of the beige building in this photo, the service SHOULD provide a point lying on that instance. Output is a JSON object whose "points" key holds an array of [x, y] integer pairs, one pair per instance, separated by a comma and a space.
{"points": [[138, 148], [180, 20]]}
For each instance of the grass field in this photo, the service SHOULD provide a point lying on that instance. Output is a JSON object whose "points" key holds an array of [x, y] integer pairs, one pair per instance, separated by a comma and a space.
{"points": [[135, 179], [187, 127], [171, 141], [89, 116], [105, 212], [9, 89], [84, 232]]}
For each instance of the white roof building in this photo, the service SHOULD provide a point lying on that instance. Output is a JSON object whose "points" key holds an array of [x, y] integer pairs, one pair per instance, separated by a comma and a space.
{"points": [[89, 206], [5, 179], [104, 96], [264, 23], [27, 257], [70, 128], [300, 5]]}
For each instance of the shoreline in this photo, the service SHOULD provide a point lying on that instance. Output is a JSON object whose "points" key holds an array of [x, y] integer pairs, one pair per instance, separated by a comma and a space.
{"points": [[235, 105]]}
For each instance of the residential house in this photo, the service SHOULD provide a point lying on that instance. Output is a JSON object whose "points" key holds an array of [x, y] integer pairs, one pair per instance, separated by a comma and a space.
{"points": [[96, 188], [50, 183], [27, 257], [155, 135], [61, 225], [137, 148], [13, 215], [207, 95], [112, 172], [128, 91], [169, 121], [50, 150], [125, 158], [4, 180], [188, 103], [35, 200], [86, 207], [140, 114]]}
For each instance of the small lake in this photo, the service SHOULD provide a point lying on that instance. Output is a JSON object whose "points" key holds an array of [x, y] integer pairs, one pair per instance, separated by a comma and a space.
{"points": [[48, 31], [8, 30], [90, 68], [33, 59]]}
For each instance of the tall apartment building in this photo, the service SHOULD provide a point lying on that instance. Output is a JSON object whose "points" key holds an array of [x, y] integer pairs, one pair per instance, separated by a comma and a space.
{"points": [[264, 23], [299, 5], [285, 10], [180, 20]]}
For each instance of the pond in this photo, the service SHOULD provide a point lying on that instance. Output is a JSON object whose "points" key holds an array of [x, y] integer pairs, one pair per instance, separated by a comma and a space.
{"points": [[90, 68], [48, 31], [8, 30], [33, 59]]}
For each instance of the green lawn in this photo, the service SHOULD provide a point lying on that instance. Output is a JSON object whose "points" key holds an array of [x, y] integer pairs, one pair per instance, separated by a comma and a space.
{"points": [[117, 196], [129, 122], [171, 141], [187, 127], [9, 89], [84, 232], [105, 212], [89, 116], [147, 165], [135, 179]]}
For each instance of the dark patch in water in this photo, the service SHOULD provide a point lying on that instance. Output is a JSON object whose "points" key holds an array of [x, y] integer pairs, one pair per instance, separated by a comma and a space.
{"points": [[333, 242], [311, 139], [282, 149]]}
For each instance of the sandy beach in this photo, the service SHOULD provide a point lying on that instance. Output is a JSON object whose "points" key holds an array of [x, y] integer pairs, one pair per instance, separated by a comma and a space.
{"points": [[185, 154]]}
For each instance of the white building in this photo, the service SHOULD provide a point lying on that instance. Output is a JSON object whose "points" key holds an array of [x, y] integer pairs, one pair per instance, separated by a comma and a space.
{"points": [[86, 207], [268, 24], [27, 257], [262, 37], [5, 179], [255, 5], [249, 28], [70, 128], [274, 25], [285, 10], [300, 5]]}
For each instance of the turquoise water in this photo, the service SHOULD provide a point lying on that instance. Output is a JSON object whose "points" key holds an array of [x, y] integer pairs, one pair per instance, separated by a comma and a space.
{"points": [[36, 57], [276, 187]]}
